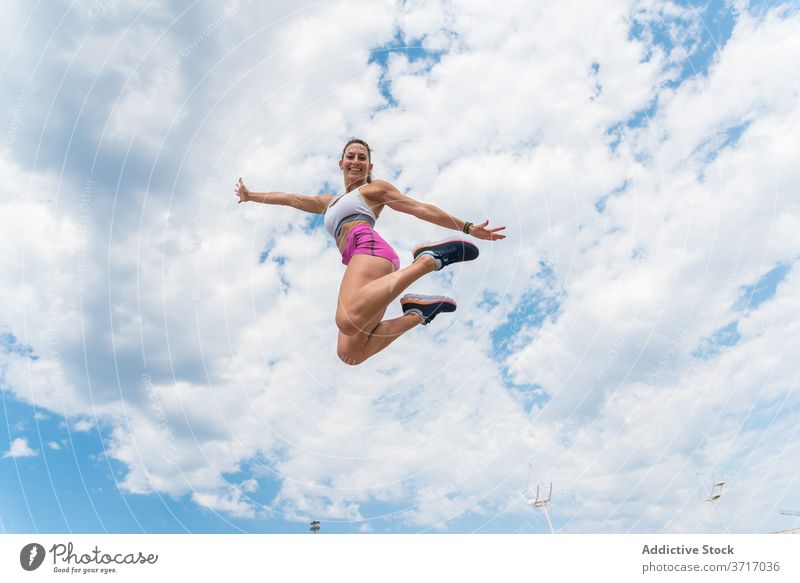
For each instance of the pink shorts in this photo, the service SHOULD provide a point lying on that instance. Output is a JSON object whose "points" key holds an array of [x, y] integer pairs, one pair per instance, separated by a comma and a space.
{"points": [[363, 240]]}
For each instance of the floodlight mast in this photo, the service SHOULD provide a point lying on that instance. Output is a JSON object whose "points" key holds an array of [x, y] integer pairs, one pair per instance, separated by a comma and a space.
{"points": [[715, 493], [537, 502]]}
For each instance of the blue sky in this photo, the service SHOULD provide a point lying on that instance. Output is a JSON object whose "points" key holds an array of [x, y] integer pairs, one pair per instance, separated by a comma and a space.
{"points": [[166, 356]]}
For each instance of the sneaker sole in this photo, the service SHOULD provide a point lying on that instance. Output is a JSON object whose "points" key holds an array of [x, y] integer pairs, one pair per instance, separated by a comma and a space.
{"points": [[428, 245], [428, 300]]}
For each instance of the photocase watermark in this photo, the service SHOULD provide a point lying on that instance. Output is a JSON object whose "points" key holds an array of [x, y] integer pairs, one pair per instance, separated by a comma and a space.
{"points": [[390, 366], [167, 71], [608, 361], [65, 559], [32, 556], [199, 237], [168, 451], [744, 239], [99, 8], [54, 301], [666, 359], [84, 207], [17, 115]]}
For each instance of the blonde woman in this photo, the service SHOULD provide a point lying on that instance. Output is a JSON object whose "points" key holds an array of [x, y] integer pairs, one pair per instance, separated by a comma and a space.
{"points": [[373, 278]]}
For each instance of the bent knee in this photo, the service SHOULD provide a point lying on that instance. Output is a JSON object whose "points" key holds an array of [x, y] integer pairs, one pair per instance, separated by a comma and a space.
{"points": [[347, 325], [347, 328], [350, 357]]}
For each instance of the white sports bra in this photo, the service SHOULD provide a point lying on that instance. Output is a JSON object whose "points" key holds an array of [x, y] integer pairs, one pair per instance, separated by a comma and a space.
{"points": [[349, 206]]}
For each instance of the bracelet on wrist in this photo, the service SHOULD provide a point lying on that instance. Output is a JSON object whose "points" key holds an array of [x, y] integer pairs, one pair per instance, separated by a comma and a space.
{"points": [[466, 228]]}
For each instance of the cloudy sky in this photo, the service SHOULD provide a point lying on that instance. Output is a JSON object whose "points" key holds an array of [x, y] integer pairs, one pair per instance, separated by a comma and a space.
{"points": [[167, 357]]}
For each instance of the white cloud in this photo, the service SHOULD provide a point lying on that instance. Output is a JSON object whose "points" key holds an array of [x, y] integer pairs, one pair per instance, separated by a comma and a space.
{"points": [[19, 448], [83, 425], [235, 502]]}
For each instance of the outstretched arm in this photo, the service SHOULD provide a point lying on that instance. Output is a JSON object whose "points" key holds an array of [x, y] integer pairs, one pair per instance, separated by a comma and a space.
{"points": [[303, 202], [398, 201]]}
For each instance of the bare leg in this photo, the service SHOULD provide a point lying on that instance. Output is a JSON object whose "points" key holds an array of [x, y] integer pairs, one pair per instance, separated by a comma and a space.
{"points": [[388, 331], [356, 349], [369, 287]]}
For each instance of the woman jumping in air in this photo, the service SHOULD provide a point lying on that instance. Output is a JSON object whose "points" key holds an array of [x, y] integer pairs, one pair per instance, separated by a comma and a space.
{"points": [[373, 278]]}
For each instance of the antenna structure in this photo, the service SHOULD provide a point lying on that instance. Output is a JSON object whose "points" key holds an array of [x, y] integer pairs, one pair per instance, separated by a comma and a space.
{"points": [[538, 500], [715, 492]]}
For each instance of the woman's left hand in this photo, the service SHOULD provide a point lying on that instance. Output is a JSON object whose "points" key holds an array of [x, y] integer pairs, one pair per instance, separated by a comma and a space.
{"points": [[481, 232]]}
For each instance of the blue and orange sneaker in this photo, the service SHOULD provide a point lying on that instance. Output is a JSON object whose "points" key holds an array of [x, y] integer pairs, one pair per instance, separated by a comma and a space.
{"points": [[447, 252], [426, 307]]}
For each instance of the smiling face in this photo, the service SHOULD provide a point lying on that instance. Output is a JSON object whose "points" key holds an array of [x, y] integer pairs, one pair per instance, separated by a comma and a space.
{"points": [[355, 165]]}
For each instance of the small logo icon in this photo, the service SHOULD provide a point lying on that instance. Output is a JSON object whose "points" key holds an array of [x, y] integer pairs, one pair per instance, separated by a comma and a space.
{"points": [[31, 556]]}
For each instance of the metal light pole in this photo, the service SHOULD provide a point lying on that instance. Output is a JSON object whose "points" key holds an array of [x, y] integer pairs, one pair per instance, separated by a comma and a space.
{"points": [[715, 492], [537, 502]]}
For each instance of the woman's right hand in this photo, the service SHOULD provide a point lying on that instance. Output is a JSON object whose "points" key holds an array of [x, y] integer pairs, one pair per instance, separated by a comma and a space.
{"points": [[242, 192]]}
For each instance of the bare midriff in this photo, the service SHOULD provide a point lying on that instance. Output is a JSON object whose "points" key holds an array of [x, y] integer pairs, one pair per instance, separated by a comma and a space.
{"points": [[346, 228]]}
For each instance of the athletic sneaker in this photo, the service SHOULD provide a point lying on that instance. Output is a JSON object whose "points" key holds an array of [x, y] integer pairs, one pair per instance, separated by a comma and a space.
{"points": [[426, 307], [447, 252]]}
